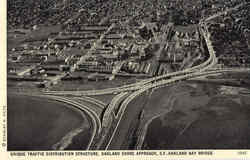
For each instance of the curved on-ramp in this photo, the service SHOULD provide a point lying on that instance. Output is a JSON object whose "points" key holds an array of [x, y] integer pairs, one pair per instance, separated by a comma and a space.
{"points": [[115, 136], [135, 86], [94, 117]]}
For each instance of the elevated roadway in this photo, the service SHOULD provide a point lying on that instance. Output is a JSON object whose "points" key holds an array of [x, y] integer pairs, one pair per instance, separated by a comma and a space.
{"points": [[126, 112], [92, 106], [94, 117], [130, 112], [111, 108], [97, 102], [209, 63], [143, 86]]}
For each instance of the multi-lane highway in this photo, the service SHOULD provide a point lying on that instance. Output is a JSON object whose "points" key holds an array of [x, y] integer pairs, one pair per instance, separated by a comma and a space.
{"points": [[131, 87], [111, 108], [96, 123], [108, 118], [123, 122], [97, 102], [128, 112]]}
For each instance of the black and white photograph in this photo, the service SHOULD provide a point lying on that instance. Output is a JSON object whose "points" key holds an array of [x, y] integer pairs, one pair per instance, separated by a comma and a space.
{"points": [[128, 75]]}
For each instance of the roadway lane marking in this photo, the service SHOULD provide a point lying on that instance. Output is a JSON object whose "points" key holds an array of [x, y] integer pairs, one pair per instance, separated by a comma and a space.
{"points": [[92, 114]]}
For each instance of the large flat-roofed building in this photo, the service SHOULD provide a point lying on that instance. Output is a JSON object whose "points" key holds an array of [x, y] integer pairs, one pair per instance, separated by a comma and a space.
{"points": [[97, 68]]}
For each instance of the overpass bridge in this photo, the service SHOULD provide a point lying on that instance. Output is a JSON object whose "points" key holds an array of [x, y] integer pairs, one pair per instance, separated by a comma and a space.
{"points": [[118, 136], [209, 63], [139, 88]]}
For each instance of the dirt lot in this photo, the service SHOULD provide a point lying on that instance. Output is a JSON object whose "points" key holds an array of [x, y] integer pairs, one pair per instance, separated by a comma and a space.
{"points": [[85, 84], [202, 116]]}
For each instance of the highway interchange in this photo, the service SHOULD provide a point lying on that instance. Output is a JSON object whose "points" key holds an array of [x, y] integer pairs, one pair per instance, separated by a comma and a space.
{"points": [[127, 93]]}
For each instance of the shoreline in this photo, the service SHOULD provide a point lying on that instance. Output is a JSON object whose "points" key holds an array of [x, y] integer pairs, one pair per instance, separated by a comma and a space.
{"points": [[70, 135]]}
